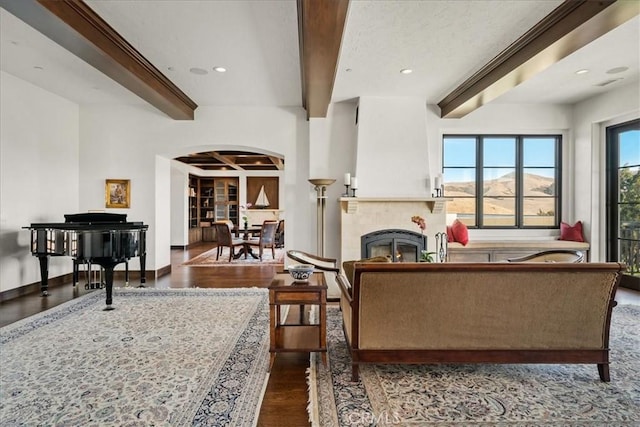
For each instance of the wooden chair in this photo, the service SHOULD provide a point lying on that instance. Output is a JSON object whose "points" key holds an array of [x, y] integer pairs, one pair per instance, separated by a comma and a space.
{"points": [[328, 265], [267, 238], [559, 255], [280, 234], [225, 239]]}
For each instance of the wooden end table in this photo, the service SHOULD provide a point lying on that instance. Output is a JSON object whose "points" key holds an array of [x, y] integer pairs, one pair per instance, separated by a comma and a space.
{"points": [[301, 336]]}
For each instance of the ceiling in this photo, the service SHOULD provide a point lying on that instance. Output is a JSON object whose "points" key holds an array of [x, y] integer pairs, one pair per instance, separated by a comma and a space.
{"points": [[443, 42], [232, 160]]}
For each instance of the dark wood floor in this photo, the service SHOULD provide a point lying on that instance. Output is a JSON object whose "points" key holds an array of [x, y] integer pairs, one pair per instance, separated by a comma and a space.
{"points": [[285, 400]]}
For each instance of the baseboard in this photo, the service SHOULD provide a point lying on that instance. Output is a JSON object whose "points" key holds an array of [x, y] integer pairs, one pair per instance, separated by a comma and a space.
{"points": [[31, 288], [34, 287]]}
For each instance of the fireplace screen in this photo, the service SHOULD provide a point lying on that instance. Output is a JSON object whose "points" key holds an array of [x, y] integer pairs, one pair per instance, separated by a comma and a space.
{"points": [[399, 245]]}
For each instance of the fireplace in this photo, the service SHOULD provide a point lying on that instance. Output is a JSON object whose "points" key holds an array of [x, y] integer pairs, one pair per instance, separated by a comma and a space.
{"points": [[399, 245]]}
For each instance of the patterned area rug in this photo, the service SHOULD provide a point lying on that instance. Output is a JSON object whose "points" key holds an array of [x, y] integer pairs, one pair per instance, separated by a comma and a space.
{"points": [[161, 358], [479, 395], [208, 258]]}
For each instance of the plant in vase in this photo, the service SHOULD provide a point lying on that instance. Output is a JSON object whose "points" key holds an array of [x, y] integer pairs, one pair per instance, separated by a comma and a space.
{"points": [[422, 224], [245, 218]]}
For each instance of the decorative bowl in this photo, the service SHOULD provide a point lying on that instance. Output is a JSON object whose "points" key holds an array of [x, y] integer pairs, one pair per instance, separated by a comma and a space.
{"points": [[301, 272]]}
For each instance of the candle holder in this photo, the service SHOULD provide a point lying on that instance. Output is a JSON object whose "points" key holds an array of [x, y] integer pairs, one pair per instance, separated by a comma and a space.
{"points": [[353, 190], [346, 192], [438, 192]]}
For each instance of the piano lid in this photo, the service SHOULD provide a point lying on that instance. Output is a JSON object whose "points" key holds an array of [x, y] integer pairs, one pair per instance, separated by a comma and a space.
{"points": [[90, 217]]}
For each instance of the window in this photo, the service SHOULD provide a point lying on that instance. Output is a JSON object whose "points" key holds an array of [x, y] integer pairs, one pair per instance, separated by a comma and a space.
{"points": [[623, 198], [503, 181]]}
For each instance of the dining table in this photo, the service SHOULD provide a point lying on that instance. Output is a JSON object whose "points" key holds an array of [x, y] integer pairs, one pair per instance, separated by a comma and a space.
{"points": [[247, 232]]}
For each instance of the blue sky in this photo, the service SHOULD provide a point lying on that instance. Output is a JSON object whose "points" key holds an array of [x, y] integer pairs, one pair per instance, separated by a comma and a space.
{"points": [[498, 153], [630, 148]]}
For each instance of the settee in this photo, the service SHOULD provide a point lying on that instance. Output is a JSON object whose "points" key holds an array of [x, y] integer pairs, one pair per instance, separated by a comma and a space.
{"points": [[479, 313]]}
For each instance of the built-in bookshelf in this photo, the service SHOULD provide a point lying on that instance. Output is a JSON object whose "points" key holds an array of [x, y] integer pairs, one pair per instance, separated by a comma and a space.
{"points": [[211, 199]]}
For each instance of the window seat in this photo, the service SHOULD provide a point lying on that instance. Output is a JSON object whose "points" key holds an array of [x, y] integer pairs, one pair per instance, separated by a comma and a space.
{"points": [[501, 250]]}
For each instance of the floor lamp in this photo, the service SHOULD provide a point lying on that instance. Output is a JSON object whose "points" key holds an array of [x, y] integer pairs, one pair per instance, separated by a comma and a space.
{"points": [[321, 185]]}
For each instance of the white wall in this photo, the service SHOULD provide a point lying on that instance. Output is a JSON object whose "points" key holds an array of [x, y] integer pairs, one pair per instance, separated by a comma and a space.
{"points": [[179, 205], [38, 174], [590, 118], [127, 139], [392, 154]]}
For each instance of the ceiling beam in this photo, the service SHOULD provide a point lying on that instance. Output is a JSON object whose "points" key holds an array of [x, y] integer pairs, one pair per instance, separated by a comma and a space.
{"points": [[76, 27], [224, 159], [277, 162], [320, 27], [571, 26]]}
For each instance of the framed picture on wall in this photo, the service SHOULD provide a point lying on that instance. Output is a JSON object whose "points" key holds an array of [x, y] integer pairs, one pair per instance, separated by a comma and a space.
{"points": [[117, 193], [262, 192]]}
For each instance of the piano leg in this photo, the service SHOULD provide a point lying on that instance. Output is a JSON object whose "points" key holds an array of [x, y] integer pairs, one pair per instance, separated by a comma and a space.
{"points": [[108, 274], [126, 273], [44, 275], [143, 276]]}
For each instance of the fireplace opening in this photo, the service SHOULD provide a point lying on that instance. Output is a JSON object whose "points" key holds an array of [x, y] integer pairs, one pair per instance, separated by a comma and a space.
{"points": [[399, 245]]}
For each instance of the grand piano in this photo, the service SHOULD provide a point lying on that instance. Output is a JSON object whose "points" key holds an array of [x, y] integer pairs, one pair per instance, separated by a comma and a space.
{"points": [[101, 238]]}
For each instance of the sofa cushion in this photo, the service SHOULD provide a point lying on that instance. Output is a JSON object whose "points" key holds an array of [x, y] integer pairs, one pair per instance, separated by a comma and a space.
{"points": [[571, 232], [460, 232]]}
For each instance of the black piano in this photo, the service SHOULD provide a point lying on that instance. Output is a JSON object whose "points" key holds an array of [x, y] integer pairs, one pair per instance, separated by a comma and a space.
{"points": [[101, 238]]}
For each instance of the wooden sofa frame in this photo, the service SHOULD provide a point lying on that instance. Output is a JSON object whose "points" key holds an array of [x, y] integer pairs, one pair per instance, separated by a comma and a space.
{"points": [[350, 301]]}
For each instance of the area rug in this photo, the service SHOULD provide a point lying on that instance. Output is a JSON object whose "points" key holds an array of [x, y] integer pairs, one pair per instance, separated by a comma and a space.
{"points": [[479, 395], [208, 259], [161, 358]]}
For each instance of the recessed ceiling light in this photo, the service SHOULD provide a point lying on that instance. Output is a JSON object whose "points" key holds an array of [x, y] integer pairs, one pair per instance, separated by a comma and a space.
{"points": [[406, 71], [617, 70], [199, 71], [220, 69], [583, 71]]}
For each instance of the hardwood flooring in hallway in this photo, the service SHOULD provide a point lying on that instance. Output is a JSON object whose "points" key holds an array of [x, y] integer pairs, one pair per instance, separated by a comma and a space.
{"points": [[285, 400]]}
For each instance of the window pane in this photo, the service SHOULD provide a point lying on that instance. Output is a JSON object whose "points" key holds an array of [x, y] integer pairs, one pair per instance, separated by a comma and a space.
{"points": [[629, 213], [630, 148], [537, 152], [499, 211], [499, 152], [499, 182], [465, 208], [629, 184], [539, 211], [460, 182], [459, 152], [539, 182]]}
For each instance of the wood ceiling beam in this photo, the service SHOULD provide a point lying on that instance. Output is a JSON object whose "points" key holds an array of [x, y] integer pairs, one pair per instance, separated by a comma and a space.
{"points": [[571, 26], [76, 27], [320, 27], [277, 162], [224, 159]]}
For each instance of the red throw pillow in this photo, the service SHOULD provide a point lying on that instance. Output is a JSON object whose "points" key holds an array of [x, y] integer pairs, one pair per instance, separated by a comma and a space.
{"points": [[573, 233], [460, 232], [450, 234]]}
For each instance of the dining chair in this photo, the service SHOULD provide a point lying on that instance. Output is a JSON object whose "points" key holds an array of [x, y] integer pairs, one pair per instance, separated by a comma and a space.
{"points": [[280, 234], [225, 239], [267, 238]]}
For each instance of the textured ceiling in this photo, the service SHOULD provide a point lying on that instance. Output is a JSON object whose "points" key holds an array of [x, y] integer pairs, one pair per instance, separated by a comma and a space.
{"points": [[444, 42]]}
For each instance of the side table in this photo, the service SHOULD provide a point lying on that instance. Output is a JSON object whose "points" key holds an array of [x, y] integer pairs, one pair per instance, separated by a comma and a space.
{"points": [[301, 336]]}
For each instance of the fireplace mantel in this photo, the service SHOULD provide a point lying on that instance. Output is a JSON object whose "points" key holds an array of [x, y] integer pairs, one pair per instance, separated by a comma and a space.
{"points": [[435, 204]]}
